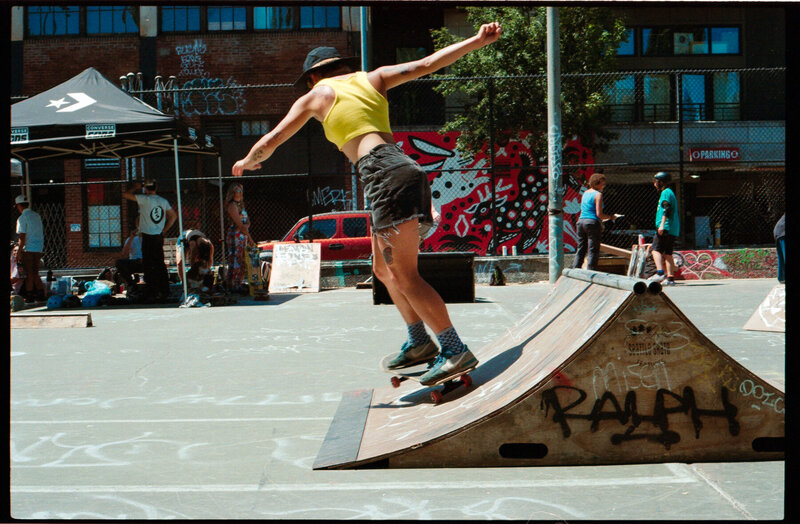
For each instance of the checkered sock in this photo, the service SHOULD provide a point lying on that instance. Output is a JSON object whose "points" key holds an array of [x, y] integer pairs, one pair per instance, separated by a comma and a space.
{"points": [[450, 342], [417, 334]]}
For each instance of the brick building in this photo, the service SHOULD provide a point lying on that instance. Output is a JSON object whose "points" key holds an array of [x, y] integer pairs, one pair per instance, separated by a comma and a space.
{"points": [[221, 49]]}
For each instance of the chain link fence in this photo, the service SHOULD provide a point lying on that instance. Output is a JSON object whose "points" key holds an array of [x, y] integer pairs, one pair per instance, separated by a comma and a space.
{"points": [[720, 133]]}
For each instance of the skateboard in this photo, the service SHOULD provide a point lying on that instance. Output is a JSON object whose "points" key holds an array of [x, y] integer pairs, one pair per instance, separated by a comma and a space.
{"points": [[415, 371], [255, 280]]}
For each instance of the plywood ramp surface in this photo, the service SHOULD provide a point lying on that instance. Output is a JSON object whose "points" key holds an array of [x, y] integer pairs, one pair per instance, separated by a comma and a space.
{"points": [[771, 313], [593, 375]]}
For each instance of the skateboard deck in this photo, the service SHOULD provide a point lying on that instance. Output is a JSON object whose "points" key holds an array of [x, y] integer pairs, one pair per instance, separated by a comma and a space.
{"points": [[255, 280], [414, 372]]}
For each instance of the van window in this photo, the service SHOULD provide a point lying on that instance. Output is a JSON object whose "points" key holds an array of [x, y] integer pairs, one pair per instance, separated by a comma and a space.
{"points": [[354, 227], [323, 228]]}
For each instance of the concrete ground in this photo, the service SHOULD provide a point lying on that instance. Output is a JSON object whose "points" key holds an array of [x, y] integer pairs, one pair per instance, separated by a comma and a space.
{"points": [[218, 413]]}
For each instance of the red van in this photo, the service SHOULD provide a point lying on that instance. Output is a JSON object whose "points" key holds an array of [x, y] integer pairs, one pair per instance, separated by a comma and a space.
{"points": [[343, 235]]}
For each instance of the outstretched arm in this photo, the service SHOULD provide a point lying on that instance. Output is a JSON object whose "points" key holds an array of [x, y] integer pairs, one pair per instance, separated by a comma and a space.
{"points": [[301, 111], [390, 76]]}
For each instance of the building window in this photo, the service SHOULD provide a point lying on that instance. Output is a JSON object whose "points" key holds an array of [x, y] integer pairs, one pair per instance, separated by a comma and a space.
{"points": [[693, 97], [628, 45], [104, 220], [724, 40], [727, 96], [177, 19], [227, 18], [656, 42], [111, 19], [272, 18], [689, 40], [53, 20], [304, 17], [656, 89], [255, 127], [622, 99], [319, 17]]}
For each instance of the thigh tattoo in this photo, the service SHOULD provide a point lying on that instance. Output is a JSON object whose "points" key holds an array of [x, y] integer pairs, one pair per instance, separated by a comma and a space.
{"points": [[387, 255]]}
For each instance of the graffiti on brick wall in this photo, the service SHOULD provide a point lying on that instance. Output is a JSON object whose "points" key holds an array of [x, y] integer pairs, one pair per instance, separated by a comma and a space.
{"points": [[217, 96], [738, 263], [331, 198], [462, 193]]}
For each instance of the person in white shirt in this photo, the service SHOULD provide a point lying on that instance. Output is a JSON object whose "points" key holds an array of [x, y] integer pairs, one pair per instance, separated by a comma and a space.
{"points": [[155, 216], [31, 246]]}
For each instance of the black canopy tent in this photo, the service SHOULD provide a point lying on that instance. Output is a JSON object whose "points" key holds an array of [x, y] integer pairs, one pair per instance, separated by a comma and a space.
{"points": [[89, 116]]}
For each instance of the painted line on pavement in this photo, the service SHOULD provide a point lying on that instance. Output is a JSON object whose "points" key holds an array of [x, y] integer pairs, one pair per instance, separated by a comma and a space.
{"points": [[367, 486], [176, 420]]}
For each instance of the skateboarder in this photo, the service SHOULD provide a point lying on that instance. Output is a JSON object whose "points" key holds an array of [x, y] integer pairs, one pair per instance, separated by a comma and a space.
{"points": [[668, 227], [354, 112]]}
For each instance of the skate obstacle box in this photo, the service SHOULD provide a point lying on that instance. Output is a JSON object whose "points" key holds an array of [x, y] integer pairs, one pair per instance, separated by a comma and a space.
{"points": [[771, 313], [605, 370], [452, 275]]}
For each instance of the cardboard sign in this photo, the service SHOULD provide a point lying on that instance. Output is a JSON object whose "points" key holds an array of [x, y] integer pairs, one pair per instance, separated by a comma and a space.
{"points": [[295, 268]]}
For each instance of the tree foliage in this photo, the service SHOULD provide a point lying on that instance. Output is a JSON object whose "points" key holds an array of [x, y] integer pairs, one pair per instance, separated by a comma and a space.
{"points": [[589, 37]]}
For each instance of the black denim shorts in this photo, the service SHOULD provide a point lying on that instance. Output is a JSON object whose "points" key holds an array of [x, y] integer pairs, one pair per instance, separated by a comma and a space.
{"points": [[664, 244], [397, 188]]}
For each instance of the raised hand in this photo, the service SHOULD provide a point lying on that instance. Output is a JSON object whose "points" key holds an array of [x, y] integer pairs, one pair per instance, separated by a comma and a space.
{"points": [[489, 33]]}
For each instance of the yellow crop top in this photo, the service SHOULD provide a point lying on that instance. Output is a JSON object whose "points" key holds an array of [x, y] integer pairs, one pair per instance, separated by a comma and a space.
{"points": [[358, 109]]}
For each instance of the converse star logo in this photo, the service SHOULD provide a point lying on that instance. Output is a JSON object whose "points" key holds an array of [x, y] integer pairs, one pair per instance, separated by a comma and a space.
{"points": [[57, 103], [81, 100]]}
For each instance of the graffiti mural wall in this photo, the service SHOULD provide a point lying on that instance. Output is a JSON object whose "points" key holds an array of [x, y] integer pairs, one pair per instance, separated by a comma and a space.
{"points": [[462, 193], [735, 263], [208, 101]]}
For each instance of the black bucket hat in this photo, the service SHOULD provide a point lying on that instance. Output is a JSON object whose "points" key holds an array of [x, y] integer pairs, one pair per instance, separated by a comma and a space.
{"points": [[323, 57]]}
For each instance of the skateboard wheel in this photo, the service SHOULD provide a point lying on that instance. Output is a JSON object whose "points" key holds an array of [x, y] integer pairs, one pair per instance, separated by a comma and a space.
{"points": [[466, 380], [436, 397], [395, 382]]}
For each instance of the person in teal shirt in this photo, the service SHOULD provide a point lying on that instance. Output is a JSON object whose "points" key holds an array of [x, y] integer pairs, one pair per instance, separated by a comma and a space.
{"points": [[668, 227]]}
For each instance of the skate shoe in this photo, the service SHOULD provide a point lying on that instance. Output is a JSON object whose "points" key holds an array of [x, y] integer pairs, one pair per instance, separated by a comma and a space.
{"points": [[410, 355], [447, 365], [668, 283], [657, 278]]}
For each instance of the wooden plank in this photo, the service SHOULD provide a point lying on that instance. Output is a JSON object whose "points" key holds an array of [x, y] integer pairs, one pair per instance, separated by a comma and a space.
{"points": [[343, 440], [618, 251], [51, 320]]}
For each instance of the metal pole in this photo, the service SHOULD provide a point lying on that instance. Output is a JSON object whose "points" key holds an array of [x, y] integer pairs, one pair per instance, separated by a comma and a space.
{"points": [[679, 106], [555, 188], [492, 179], [180, 219], [363, 24], [364, 67], [222, 219], [28, 183]]}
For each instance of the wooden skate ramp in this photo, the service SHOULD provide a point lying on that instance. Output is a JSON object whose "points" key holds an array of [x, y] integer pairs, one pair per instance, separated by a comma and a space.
{"points": [[597, 373], [771, 313]]}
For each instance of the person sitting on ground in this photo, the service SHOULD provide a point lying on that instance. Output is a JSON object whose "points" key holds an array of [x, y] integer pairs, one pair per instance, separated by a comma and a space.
{"points": [[200, 255]]}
